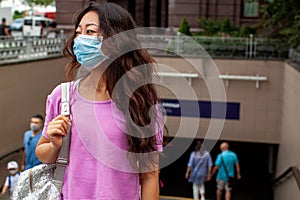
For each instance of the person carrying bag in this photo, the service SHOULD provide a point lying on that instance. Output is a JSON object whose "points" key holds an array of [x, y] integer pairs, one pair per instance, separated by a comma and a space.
{"points": [[45, 181], [232, 180], [226, 164]]}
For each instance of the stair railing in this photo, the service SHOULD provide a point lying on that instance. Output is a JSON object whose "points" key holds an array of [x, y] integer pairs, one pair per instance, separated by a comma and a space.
{"points": [[291, 171]]}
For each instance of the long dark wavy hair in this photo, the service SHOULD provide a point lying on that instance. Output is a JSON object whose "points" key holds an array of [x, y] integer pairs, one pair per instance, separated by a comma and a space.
{"points": [[114, 20]]}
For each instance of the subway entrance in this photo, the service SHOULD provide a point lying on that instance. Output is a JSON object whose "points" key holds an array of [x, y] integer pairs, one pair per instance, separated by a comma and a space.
{"points": [[257, 163]]}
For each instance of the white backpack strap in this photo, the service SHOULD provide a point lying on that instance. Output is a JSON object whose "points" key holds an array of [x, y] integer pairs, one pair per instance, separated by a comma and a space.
{"points": [[65, 98], [63, 156]]}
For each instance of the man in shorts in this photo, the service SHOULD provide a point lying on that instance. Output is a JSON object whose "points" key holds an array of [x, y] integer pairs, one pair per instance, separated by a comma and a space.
{"points": [[229, 160]]}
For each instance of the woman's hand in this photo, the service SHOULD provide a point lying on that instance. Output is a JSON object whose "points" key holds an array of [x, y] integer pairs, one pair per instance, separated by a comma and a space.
{"points": [[58, 128], [47, 149], [208, 177], [187, 173]]}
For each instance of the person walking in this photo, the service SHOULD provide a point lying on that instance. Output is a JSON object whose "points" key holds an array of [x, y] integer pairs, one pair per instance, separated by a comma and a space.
{"points": [[12, 179], [225, 163], [53, 31], [4, 32], [31, 138], [116, 122], [199, 170]]}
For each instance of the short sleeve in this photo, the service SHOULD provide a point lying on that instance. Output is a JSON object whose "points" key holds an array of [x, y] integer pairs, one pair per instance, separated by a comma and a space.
{"points": [[6, 182], [218, 161], [209, 160], [236, 161], [190, 163], [24, 140], [52, 108]]}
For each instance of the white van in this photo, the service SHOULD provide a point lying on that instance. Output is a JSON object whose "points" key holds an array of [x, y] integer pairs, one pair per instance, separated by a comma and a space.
{"points": [[36, 26]]}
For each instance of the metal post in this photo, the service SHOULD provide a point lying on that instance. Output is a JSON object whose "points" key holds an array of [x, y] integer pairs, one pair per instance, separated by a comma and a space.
{"points": [[250, 44], [178, 41]]}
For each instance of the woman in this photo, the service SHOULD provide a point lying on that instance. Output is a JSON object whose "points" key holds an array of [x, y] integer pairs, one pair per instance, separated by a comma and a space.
{"points": [[199, 170], [116, 133]]}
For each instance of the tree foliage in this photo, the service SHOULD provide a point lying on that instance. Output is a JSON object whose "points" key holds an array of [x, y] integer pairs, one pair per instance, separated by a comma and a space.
{"points": [[17, 14], [184, 27], [38, 2], [283, 16], [223, 27]]}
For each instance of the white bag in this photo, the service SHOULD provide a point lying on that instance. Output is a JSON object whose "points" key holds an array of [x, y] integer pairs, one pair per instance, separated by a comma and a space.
{"points": [[45, 181], [38, 183]]}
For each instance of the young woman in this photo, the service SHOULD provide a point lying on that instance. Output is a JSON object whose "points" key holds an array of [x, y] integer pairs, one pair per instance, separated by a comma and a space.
{"points": [[199, 170], [116, 123]]}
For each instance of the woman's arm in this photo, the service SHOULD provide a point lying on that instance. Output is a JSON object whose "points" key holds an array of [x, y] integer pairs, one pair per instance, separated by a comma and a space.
{"points": [[47, 149], [187, 173], [149, 185], [208, 177]]}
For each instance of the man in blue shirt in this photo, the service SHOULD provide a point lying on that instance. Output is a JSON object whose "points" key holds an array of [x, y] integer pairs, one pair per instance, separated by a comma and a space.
{"points": [[230, 160], [31, 138]]}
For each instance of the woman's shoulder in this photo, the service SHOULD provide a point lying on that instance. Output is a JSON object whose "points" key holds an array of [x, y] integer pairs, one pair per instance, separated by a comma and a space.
{"points": [[56, 91], [207, 154], [55, 95]]}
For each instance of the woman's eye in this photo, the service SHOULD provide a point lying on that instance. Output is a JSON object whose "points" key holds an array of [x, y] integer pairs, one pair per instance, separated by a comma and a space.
{"points": [[90, 31]]}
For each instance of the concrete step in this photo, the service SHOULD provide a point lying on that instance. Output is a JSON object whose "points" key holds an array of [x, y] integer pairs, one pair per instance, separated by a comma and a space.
{"points": [[174, 198]]}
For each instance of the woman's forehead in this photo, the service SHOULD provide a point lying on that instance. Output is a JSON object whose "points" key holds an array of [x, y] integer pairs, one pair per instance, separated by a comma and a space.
{"points": [[90, 18]]}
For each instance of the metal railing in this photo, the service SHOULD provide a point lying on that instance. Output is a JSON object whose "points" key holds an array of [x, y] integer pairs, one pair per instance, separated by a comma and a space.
{"points": [[27, 49], [13, 50], [294, 55], [216, 47], [291, 171]]}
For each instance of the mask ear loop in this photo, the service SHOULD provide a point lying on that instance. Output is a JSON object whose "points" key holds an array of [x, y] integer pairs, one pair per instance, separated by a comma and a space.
{"points": [[100, 38]]}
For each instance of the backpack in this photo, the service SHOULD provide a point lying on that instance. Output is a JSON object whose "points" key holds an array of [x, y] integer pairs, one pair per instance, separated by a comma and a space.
{"points": [[2, 27]]}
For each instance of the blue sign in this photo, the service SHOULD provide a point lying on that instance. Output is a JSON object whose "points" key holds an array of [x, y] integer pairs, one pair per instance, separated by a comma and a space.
{"points": [[202, 109]]}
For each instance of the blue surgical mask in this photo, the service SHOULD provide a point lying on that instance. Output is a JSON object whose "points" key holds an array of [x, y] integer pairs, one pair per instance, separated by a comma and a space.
{"points": [[34, 127], [88, 52]]}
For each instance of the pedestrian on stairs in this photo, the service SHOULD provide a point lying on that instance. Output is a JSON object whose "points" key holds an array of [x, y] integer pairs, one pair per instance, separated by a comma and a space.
{"points": [[12, 178], [199, 170]]}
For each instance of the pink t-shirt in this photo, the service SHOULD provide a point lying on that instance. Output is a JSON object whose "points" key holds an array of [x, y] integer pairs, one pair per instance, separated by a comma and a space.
{"points": [[99, 167]]}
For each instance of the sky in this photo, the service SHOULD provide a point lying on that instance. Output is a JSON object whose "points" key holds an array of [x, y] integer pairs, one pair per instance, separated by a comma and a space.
{"points": [[18, 5]]}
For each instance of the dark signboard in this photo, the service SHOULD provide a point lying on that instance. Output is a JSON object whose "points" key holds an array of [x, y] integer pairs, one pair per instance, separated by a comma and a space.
{"points": [[203, 109]]}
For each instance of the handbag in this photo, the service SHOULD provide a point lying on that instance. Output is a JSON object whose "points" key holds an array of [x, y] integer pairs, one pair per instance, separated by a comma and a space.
{"points": [[232, 181], [45, 181]]}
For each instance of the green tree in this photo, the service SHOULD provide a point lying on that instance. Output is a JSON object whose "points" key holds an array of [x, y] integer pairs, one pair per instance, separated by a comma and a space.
{"points": [[17, 14], [184, 27], [223, 27], [210, 27], [283, 17], [38, 2], [227, 27]]}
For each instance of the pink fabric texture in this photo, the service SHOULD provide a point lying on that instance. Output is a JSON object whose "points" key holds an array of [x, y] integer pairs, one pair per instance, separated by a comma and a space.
{"points": [[99, 167]]}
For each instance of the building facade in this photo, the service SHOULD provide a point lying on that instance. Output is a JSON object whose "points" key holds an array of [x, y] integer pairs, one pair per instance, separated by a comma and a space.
{"points": [[169, 13]]}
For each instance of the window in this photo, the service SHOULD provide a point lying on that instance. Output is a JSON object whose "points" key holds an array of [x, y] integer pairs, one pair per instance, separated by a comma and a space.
{"points": [[250, 8], [37, 23], [28, 22]]}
